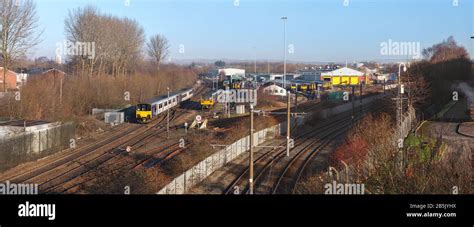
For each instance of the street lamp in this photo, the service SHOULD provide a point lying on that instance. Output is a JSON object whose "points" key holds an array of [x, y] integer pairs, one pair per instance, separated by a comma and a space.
{"points": [[284, 51]]}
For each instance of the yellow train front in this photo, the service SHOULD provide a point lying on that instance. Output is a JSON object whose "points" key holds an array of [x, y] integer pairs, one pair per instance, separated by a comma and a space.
{"points": [[143, 112], [207, 103]]}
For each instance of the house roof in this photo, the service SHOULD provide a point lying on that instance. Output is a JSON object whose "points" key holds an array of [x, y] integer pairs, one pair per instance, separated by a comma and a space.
{"points": [[1, 69], [272, 86], [40, 71], [343, 72]]}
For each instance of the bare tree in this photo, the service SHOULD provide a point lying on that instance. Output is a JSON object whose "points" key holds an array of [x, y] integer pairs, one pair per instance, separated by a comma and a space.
{"points": [[18, 31], [118, 41], [158, 48]]}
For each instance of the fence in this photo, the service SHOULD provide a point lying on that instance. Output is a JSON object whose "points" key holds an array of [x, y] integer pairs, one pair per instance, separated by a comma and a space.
{"points": [[200, 171], [408, 121], [28, 146]]}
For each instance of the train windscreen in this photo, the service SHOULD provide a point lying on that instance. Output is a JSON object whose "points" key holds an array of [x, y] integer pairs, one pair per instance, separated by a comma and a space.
{"points": [[143, 107]]}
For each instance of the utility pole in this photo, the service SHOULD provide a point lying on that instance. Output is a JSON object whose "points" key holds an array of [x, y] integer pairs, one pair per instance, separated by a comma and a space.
{"points": [[353, 102], [288, 120], [296, 108], [168, 117], [360, 96], [251, 152], [383, 86]]}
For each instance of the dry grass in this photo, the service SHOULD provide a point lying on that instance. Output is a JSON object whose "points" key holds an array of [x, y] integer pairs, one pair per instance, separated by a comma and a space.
{"points": [[375, 161], [41, 98]]}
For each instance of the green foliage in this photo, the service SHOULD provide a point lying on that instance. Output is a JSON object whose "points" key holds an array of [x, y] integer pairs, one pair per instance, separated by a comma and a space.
{"points": [[424, 148], [412, 141]]}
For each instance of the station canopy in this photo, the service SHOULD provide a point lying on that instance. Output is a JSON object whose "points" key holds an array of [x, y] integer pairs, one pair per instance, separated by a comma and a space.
{"points": [[343, 72]]}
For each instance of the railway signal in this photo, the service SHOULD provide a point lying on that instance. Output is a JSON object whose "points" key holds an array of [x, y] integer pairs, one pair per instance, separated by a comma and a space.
{"points": [[198, 119]]}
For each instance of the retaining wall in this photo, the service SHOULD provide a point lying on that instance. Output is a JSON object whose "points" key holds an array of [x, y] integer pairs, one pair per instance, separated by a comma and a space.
{"points": [[193, 176], [34, 142]]}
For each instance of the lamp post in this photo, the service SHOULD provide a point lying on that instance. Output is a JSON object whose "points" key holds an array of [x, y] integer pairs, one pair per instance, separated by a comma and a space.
{"points": [[284, 51]]}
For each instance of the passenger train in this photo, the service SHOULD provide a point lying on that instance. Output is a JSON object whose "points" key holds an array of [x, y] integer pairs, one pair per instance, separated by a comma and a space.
{"points": [[153, 107]]}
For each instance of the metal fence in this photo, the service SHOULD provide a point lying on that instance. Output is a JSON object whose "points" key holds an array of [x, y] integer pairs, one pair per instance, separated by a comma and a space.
{"points": [[28, 146], [184, 182], [409, 120], [203, 169]]}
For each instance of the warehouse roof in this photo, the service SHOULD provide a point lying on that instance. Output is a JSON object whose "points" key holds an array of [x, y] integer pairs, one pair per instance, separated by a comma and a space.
{"points": [[343, 72]]}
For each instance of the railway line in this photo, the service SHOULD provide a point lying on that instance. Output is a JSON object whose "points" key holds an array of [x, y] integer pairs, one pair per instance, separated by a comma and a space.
{"points": [[79, 177], [306, 148], [109, 155], [92, 158], [74, 167]]}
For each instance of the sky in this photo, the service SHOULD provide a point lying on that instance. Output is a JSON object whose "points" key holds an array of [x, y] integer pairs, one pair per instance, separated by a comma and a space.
{"points": [[316, 30]]}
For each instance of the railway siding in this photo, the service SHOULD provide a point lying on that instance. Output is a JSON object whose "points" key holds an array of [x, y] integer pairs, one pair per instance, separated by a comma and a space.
{"points": [[203, 169], [196, 174]]}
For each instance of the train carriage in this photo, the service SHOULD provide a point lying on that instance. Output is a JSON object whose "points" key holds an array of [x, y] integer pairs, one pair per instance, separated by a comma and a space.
{"points": [[146, 111]]}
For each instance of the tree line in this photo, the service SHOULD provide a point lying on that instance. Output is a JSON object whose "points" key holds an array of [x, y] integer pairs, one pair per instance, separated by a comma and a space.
{"points": [[119, 43]]}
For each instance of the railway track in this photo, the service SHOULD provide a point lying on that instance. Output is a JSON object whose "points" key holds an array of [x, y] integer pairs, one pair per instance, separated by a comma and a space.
{"points": [[325, 133], [156, 155], [60, 171], [91, 159], [111, 157], [76, 153]]}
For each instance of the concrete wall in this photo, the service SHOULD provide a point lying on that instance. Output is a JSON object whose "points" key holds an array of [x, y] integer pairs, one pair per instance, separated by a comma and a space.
{"points": [[34, 143], [203, 169], [182, 183], [114, 117], [96, 111]]}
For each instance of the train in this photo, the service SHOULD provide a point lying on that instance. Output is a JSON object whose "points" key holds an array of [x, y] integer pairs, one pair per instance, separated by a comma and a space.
{"points": [[306, 87], [147, 110], [207, 103]]}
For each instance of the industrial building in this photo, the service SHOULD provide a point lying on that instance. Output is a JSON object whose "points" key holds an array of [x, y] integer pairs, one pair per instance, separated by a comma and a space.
{"points": [[228, 72], [275, 90], [344, 76]]}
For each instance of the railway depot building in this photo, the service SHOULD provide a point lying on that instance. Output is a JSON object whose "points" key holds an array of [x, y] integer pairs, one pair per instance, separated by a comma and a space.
{"points": [[343, 77]]}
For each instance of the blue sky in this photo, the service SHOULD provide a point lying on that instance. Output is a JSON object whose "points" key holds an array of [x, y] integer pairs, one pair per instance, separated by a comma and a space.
{"points": [[319, 30]]}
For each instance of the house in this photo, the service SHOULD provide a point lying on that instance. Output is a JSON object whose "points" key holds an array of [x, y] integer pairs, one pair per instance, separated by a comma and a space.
{"points": [[10, 80], [46, 74], [54, 73]]}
